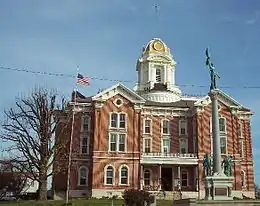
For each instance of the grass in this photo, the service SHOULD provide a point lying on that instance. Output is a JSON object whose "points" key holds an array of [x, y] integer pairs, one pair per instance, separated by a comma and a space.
{"points": [[91, 202]]}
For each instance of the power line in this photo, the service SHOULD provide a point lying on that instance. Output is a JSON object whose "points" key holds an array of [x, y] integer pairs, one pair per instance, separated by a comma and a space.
{"points": [[118, 80]]}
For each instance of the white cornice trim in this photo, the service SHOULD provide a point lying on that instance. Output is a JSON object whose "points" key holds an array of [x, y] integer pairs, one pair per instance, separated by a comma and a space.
{"points": [[115, 87]]}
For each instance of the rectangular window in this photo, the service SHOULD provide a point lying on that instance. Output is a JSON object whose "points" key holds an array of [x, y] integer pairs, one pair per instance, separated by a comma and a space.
{"points": [[165, 127], [147, 126], [184, 178], [122, 121], [223, 145], [182, 127], [147, 145], [183, 146], [113, 120], [222, 124], [112, 142], [121, 143], [84, 145], [117, 142], [86, 124], [166, 145]]}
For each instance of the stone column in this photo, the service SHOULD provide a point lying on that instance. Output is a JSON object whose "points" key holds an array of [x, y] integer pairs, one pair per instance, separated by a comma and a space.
{"points": [[215, 131], [160, 177], [142, 177]]}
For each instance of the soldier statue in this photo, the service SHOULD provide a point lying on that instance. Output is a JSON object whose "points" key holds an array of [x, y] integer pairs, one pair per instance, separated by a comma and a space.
{"points": [[227, 163], [207, 165], [213, 73]]}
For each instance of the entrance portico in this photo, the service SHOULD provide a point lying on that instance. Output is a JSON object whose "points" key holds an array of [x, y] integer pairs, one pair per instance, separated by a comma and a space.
{"points": [[168, 172]]}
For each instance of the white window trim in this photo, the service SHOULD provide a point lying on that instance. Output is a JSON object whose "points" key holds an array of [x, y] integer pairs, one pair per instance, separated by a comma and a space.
{"points": [[151, 123], [125, 143], [168, 127], [185, 120], [118, 120], [117, 142], [81, 145], [82, 123], [151, 176], [105, 175], [120, 183], [187, 177], [79, 176], [221, 132], [169, 144], [186, 146], [150, 138], [243, 178]]}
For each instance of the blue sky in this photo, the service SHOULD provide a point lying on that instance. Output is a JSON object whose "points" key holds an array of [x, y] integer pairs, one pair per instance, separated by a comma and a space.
{"points": [[105, 39]]}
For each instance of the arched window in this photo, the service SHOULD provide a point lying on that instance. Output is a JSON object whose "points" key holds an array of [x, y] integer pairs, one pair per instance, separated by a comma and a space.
{"points": [[158, 75], [124, 175], [147, 177], [83, 176], [243, 178], [109, 175]]}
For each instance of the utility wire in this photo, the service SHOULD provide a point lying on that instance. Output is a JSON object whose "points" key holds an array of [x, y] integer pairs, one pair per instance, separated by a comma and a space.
{"points": [[118, 80]]}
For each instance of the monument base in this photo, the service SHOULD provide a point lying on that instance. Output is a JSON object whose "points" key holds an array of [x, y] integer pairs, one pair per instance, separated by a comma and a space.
{"points": [[218, 187]]}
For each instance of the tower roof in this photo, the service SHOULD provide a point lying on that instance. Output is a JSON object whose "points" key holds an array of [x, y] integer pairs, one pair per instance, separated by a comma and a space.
{"points": [[156, 45]]}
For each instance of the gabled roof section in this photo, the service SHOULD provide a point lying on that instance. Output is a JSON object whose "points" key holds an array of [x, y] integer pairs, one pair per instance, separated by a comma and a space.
{"points": [[224, 98], [121, 89]]}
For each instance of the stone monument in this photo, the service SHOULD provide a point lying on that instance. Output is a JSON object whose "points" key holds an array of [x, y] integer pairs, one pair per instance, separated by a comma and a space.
{"points": [[218, 185]]}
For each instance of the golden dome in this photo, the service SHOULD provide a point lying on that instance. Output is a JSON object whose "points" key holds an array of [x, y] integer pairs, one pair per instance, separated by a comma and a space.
{"points": [[156, 45]]}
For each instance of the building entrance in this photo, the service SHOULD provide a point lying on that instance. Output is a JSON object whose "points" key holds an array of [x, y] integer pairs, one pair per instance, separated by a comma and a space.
{"points": [[166, 179]]}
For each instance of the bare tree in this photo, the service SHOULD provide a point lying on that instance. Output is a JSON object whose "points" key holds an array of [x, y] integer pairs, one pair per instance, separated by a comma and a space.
{"points": [[30, 129]]}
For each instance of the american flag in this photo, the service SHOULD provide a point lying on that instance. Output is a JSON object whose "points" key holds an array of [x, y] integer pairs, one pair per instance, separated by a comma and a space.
{"points": [[82, 80]]}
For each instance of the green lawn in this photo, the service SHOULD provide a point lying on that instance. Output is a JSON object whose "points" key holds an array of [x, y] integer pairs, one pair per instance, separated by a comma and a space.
{"points": [[78, 203]]}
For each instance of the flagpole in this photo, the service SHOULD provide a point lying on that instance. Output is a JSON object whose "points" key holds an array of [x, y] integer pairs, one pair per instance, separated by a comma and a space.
{"points": [[71, 138]]}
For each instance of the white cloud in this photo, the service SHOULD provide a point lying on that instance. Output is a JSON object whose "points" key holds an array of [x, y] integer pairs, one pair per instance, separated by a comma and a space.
{"points": [[254, 19]]}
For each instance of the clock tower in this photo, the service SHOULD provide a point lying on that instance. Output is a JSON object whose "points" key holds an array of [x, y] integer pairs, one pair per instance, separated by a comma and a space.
{"points": [[156, 73]]}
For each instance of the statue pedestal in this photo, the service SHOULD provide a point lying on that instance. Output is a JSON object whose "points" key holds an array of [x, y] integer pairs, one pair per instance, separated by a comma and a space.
{"points": [[218, 187]]}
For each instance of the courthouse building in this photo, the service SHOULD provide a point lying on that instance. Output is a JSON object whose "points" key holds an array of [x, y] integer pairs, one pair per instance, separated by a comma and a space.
{"points": [[152, 137]]}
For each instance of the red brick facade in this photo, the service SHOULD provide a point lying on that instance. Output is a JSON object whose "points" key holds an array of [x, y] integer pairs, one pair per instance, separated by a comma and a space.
{"points": [[138, 163]]}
